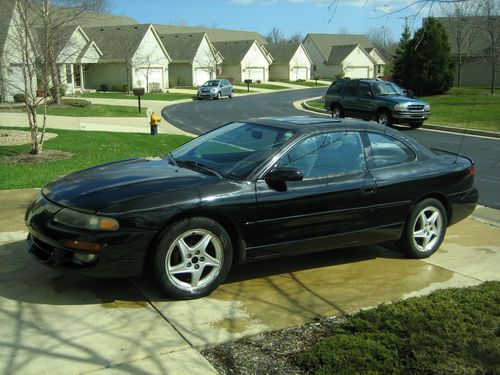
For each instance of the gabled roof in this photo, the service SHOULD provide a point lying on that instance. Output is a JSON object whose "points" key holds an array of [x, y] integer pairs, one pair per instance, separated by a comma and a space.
{"points": [[339, 53], [7, 7], [117, 42], [215, 35], [182, 47], [234, 52], [72, 16], [374, 50], [283, 52], [324, 42]]}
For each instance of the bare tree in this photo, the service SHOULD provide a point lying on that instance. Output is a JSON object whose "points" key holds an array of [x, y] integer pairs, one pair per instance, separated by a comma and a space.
{"points": [[462, 28], [382, 40], [275, 36], [296, 37], [489, 11]]}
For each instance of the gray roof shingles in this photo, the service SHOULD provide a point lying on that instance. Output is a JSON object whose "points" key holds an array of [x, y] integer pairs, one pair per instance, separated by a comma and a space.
{"points": [[182, 47], [233, 52], [282, 53], [215, 35], [7, 7], [325, 42]]}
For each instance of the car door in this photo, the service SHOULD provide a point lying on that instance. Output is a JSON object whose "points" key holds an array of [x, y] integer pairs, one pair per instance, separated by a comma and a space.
{"points": [[364, 104], [392, 165], [350, 98], [331, 202]]}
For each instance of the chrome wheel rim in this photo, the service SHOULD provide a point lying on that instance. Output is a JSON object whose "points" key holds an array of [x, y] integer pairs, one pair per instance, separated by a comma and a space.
{"points": [[194, 259], [336, 112], [427, 229]]}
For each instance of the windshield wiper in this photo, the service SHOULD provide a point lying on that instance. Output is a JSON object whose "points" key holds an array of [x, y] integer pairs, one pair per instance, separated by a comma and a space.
{"points": [[172, 159], [200, 166]]}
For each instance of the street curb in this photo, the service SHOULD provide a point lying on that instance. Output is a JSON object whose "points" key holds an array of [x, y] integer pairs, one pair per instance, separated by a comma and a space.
{"points": [[483, 133]]}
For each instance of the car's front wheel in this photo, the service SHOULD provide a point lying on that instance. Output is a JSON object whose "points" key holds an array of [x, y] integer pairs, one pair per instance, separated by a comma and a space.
{"points": [[231, 95], [218, 95], [192, 258], [336, 110], [416, 125], [425, 229], [384, 117]]}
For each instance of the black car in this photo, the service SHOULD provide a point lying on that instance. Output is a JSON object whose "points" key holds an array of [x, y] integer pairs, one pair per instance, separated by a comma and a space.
{"points": [[246, 191], [372, 99]]}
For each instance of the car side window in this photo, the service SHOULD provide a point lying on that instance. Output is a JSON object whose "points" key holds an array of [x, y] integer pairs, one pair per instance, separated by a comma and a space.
{"points": [[388, 151], [351, 88], [364, 89], [326, 154], [335, 88]]}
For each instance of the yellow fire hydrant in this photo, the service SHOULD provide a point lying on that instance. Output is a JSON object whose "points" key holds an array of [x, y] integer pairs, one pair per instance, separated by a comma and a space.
{"points": [[154, 121]]}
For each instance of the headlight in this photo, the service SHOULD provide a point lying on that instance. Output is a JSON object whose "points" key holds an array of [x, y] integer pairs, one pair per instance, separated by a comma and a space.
{"points": [[427, 107], [400, 107], [77, 219]]}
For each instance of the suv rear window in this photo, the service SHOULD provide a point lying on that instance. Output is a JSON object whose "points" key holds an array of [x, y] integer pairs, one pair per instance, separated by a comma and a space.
{"points": [[336, 87]]}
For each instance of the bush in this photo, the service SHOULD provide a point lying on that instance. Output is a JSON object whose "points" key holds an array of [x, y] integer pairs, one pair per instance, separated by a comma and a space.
{"points": [[19, 98], [125, 87], [103, 87], [154, 87], [339, 75], [77, 103]]}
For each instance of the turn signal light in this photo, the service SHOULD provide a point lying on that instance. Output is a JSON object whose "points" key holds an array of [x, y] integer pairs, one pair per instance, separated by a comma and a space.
{"points": [[82, 245]]}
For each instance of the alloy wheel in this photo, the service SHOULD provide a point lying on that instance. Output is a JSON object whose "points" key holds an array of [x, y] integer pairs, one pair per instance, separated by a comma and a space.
{"points": [[427, 229]]}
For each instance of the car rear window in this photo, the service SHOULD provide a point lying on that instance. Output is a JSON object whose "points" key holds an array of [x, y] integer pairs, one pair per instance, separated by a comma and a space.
{"points": [[388, 151]]}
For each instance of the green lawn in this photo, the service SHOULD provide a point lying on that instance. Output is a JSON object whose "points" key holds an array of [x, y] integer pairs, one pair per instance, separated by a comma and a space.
{"points": [[466, 106], [453, 331], [96, 110], [267, 86], [90, 148], [122, 95], [316, 103]]}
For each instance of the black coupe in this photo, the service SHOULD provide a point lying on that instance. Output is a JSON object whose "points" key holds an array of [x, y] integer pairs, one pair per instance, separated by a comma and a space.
{"points": [[246, 191]]}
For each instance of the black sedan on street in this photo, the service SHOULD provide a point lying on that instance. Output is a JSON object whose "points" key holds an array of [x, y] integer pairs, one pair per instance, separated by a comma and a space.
{"points": [[250, 190]]}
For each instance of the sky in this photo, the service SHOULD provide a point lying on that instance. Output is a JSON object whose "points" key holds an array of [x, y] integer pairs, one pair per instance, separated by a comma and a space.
{"points": [[290, 16]]}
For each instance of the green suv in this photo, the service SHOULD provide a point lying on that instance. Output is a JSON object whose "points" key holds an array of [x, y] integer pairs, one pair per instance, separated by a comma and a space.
{"points": [[371, 99]]}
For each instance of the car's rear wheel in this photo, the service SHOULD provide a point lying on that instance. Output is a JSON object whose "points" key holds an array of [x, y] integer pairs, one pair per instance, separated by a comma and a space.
{"points": [[416, 125], [336, 110], [384, 117], [193, 257], [425, 229]]}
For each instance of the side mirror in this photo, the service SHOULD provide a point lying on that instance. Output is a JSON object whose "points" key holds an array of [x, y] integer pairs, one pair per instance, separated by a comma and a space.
{"points": [[284, 174]]}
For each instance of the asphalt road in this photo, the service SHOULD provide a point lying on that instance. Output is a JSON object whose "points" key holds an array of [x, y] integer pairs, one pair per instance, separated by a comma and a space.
{"points": [[198, 117]]}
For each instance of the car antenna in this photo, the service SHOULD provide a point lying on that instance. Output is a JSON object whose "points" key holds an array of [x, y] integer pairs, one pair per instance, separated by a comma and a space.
{"points": [[464, 132]]}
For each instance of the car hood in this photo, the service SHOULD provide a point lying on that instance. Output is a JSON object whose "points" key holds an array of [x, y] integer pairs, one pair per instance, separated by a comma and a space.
{"points": [[400, 99], [94, 189]]}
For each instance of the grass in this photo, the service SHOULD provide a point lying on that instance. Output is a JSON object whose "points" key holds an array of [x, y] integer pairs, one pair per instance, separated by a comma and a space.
{"points": [[306, 83], [267, 86], [148, 96], [95, 110], [454, 331], [466, 106], [316, 104], [89, 148]]}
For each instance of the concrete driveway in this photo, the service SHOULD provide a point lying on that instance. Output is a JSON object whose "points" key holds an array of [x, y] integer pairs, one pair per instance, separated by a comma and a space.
{"points": [[59, 323]]}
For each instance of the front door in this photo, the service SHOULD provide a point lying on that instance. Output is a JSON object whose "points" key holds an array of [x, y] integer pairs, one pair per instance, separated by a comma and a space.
{"points": [[332, 201]]}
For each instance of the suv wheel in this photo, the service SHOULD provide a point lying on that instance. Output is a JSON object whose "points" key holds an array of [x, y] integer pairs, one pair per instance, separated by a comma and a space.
{"points": [[337, 111], [384, 117], [416, 125]]}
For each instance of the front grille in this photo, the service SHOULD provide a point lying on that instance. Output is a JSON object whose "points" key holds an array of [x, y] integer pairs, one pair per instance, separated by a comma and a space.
{"points": [[415, 107]]}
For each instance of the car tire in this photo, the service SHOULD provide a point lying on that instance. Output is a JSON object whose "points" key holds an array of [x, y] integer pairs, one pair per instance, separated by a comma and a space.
{"points": [[218, 96], [424, 230], [384, 117], [231, 95], [337, 111], [416, 125], [192, 257]]}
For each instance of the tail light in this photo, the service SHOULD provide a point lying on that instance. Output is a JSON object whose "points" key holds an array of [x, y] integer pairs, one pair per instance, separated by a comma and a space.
{"points": [[472, 170]]}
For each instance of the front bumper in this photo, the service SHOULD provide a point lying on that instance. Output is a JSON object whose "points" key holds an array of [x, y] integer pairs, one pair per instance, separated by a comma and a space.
{"points": [[202, 95], [411, 117], [122, 253]]}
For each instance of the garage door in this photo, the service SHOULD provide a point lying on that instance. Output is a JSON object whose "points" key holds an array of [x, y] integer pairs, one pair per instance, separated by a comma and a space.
{"points": [[154, 77], [357, 72], [255, 74], [201, 76], [299, 73]]}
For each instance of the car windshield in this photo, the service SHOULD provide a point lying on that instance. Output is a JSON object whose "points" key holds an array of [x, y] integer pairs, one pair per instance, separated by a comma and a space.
{"points": [[234, 150], [386, 88], [211, 83]]}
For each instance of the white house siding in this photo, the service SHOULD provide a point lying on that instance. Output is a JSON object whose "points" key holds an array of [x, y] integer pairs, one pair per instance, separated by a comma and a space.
{"points": [[379, 64], [150, 63], [204, 64], [319, 69], [300, 65], [13, 81], [358, 64], [255, 65]]}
